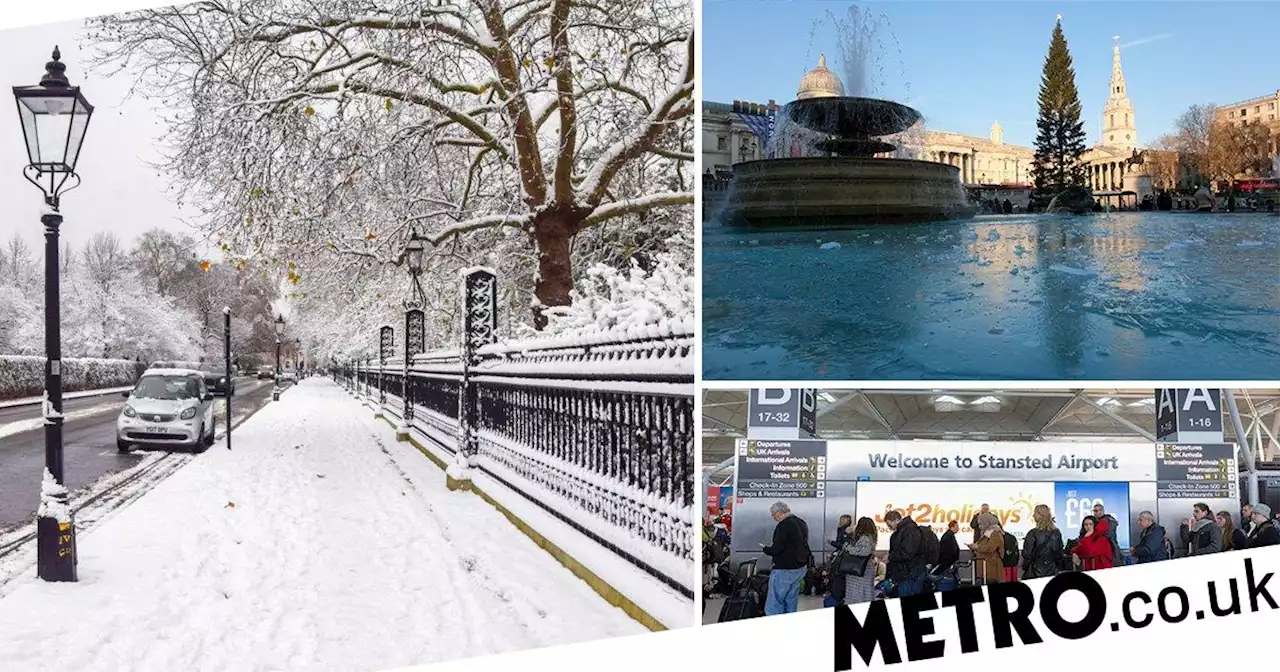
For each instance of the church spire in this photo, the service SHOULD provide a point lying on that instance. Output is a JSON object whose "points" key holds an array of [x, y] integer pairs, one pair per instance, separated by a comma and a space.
{"points": [[1117, 73], [1119, 127]]}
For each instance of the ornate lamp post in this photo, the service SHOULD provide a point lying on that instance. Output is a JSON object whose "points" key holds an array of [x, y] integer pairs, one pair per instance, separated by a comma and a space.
{"points": [[54, 116], [275, 393], [414, 328]]}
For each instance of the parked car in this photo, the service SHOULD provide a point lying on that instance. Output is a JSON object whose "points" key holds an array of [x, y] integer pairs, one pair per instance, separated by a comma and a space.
{"points": [[167, 407], [288, 375], [266, 373], [218, 382], [214, 377]]}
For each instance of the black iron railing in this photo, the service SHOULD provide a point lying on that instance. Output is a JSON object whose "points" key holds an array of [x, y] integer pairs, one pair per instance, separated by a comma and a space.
{"points": [[598, 432]]}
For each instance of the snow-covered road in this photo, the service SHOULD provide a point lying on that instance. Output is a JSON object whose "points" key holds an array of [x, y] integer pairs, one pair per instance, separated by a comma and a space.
{"points": [[317, 544]]}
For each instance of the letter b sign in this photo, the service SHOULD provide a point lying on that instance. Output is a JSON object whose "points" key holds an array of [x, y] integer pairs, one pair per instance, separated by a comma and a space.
{"points": [[782, 414]]}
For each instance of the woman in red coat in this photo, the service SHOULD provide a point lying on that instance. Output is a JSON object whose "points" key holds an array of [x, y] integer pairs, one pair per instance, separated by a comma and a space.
{"points": [[1094, 549]]}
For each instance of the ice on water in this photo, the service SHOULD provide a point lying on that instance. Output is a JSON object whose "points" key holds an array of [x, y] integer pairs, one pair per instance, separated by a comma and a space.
{"points": [[1087, 297]]}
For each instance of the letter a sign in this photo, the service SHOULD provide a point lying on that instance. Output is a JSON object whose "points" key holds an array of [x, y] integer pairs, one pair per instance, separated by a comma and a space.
{"points": [[782, 414], [1189, 415]]}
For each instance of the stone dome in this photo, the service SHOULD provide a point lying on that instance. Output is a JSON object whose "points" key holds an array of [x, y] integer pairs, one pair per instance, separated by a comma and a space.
{"points": [[820, 83]]}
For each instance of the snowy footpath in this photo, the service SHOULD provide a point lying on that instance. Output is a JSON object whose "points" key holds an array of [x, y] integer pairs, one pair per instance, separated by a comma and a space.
{"points": [[318, 543]]}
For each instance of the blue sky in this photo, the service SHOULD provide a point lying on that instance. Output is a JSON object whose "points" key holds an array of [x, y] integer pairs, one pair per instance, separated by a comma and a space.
{"points": [[966, 64]]}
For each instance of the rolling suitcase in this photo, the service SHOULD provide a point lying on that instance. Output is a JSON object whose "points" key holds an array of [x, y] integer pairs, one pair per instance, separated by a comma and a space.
{"points": [[978, 576], [738, 607], [747, 600]]}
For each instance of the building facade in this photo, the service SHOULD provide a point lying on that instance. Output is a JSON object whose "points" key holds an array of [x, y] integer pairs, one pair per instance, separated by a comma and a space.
{"points": [[1262, 109], [733, 133], [985, 161], [1118, 163]]}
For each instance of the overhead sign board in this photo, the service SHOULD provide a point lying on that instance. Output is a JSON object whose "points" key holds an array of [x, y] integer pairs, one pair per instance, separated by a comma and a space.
{"points": [[1007, 461], [1196, 471], [775, 413], [1189, 415], [781, 469]]}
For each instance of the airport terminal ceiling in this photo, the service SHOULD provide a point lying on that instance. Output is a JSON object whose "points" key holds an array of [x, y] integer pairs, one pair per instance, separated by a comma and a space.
{"points": [[984, 415]]}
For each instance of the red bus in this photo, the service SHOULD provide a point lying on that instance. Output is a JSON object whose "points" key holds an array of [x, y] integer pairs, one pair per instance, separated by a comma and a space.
{"points": [[1259, 184]]}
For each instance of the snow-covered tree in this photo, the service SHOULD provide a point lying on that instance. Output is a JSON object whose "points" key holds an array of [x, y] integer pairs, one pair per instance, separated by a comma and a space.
{"points": [[315, 135]]}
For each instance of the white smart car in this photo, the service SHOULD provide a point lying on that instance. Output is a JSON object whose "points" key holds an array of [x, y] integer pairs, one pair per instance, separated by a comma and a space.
{"points": [[168, 407]]}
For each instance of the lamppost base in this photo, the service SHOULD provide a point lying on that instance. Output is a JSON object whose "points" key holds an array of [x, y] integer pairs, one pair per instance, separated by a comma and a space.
{"points": [[56, 550], [275, 394]]}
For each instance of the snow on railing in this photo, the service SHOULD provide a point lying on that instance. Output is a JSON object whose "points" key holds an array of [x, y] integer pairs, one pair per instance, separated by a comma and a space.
{"points": [[595, 425]]}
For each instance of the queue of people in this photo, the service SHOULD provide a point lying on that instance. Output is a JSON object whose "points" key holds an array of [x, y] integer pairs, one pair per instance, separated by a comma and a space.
{"points": [[919, 561]]}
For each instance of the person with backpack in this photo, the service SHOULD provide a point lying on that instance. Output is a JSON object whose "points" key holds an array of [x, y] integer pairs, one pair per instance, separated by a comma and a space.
{"points": [[1113, 527], [1199, 532], [1265, 532], [1010, 559], [988, 556], [908, 560], [1042, 549], [1151, 546], [790, 553]]}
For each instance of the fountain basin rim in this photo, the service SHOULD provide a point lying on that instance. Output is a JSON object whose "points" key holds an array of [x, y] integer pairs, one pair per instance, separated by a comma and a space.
{"points": [[879, 116], [840, 159]]}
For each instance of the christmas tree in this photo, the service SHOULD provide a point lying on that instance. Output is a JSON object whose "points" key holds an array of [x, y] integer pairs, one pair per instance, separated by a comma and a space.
{"points": [[1059, 131]]}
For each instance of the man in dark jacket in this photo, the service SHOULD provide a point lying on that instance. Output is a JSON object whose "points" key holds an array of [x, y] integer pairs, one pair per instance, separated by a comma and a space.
{"points": [[1150, 546], [1265, 532], [906, 567], [790, 553], [1246, 519], [948, 549]]}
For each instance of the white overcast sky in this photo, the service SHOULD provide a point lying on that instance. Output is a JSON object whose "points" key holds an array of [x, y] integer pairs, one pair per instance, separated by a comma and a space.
{"points": [[119, 192]]}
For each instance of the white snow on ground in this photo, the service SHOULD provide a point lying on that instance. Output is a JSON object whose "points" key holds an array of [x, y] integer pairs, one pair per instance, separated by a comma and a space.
{"points": [[20, 426], [31, 401], [653, 596], [307, 547]]}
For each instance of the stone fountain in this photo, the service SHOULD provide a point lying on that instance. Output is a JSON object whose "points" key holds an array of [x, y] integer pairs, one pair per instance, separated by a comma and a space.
{"points": [[848, 184]]}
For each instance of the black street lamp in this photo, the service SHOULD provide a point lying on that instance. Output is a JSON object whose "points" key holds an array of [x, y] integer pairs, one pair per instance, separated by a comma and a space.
{"points": [[414, 328], [275, 393], [226, 365], [54, 116]]}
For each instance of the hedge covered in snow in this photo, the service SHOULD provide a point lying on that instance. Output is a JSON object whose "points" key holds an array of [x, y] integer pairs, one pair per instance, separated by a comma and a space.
{"points": [[22, 376]]}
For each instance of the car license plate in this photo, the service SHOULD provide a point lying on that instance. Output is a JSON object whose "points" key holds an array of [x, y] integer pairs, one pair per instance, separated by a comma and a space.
{"points": [[157, 430]]}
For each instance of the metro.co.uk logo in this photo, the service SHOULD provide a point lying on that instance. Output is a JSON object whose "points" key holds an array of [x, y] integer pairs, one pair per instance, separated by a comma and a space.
{"points": [[1239, 586]]}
